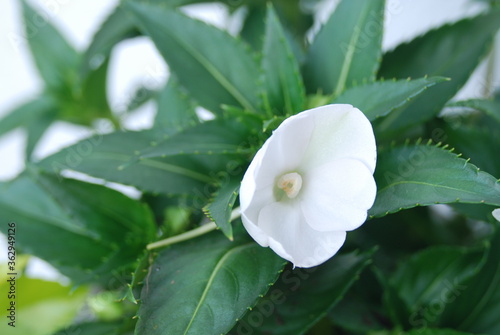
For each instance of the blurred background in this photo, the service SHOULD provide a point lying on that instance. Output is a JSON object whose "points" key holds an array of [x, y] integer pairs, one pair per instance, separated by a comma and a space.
{"points": [[136, 63]]}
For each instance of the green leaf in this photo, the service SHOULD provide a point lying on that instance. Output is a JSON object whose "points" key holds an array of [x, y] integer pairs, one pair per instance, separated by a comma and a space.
{"points": [[117, 27], [428, 331], [114, 157], [452, 51], [382, 97], [203, 286], [284, 91], [176, 111], [87, 231], [301, 297], [55, 59], [254, 24], [48, 305], [35, 130], [422, 175], [479, 145], [434, 277], [347, 49], [215, 68], [476, 308], [93, 328], [220, 208], [490, 107], [27, 113], [219, 136]]}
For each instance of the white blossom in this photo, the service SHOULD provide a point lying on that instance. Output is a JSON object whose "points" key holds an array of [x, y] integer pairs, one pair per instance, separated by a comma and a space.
{"points": [[310, 183], [496, 214]]}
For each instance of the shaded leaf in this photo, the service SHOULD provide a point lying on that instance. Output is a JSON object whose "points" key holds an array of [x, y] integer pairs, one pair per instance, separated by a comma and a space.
{"points": [[434, 277], [301, 297], [422, 175], [86, 231], [476, 308], [204, 285], [490, 107], [347, 49], [382, 97]]}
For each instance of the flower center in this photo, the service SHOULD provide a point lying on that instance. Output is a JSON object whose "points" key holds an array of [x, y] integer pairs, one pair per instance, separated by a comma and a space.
{"points": [[290, 183]]}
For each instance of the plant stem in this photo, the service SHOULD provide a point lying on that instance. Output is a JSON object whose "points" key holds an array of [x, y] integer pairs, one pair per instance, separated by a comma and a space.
{"points": [[206, 228]]}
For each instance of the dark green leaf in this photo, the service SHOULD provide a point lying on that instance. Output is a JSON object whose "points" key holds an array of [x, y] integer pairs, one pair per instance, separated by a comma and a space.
{"points": [[219, 136], [347, 49], [284, 91], [382, 97], [220, 208], [254, 24], [301, 297], [490, 107], [476, 308], [114, 157], [55, 59], [422, 175], [477, 144], [87, 231], [428, 331], [175, 109], [212, 65], [204, 285], [451, 51], [27, 113], [431, 279]]}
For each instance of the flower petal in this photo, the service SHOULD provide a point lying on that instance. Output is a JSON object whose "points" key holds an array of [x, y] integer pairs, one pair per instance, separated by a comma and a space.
{"points": [[336, 196], [292, 238], [496, 214], [341, 131]]}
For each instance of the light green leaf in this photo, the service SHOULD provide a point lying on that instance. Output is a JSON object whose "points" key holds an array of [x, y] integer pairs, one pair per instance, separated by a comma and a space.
{"points": [[477, 307], [422, 175], [220, 208], [203, 286], [215, 68], [284, 91], [176, 111], [87, 231], [347, 49], [301, 297], [54, 57], [433, 277], [35, 130], [48, 305], [27, 113], [94, 328], [382, 97], [451, 51]]}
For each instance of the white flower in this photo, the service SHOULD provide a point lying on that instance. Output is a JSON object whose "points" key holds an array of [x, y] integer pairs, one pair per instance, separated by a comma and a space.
{"points": [[496, 214], [310, 183]]}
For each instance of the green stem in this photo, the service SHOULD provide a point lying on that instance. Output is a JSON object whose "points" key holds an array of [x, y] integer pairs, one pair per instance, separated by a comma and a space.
{"points": [[206, 228]]}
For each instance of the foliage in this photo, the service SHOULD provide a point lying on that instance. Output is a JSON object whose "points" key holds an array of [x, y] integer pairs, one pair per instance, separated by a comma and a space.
{"points": [[409, 270]]}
